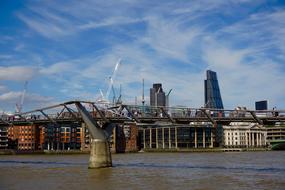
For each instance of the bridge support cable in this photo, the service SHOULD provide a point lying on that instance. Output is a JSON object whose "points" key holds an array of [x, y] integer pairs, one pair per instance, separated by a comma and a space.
{"points": [[208, 116], [5, 122], [131, 114], [100, 112], [20, 115], [167, 115], [48, 117], [70, 111], [259, 121], [100, 155], [59, 114]]}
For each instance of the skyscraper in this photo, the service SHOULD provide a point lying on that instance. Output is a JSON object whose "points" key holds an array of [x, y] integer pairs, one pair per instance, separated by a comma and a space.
{"points": [[213, 97], [261, 105], [157, 96]]}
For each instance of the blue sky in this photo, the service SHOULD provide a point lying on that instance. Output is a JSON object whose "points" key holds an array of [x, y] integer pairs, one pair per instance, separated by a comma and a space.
{"points": [[68, 49]]}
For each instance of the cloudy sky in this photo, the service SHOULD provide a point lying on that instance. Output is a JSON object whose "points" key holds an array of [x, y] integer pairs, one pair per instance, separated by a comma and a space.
{"points": [[68, 49]]}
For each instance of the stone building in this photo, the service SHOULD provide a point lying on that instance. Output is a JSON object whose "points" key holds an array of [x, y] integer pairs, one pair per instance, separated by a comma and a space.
{"points": [[244, 135]]}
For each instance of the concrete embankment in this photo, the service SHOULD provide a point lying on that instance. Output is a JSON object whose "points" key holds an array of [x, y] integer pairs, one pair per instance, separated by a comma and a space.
{"points": [[51, 152], [206, 150], [16, 152]]}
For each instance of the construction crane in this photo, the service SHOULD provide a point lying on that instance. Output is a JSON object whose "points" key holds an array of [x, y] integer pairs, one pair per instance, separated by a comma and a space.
{"points": [[167, 98], [105, 98], [143, 101], [119, 100], [19, 106], [111, 79]]}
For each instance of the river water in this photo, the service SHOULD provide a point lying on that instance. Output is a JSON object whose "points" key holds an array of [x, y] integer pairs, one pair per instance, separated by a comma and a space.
{"points": [[234, 170]]}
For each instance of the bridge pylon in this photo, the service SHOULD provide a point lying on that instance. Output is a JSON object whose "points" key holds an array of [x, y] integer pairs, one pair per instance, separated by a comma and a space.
{"points": [[100, 153]]}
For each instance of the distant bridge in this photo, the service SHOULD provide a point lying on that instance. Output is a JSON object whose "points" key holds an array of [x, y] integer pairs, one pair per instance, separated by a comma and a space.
{"points": [[143, 115]]}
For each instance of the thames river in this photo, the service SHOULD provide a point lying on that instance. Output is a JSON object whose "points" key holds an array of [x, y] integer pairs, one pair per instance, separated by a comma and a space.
{"points": [[233, 170]]}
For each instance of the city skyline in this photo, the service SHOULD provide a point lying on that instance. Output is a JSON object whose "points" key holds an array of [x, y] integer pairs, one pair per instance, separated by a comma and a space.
{"points": [[69, 51]]}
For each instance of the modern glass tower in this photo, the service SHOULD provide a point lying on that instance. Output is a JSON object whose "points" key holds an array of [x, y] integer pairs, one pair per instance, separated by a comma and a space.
{"points": [[213, 97]]}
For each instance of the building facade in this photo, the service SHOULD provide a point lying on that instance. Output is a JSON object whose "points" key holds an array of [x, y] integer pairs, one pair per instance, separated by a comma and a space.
{"points": [[157, 95], [177, 137], [125, 138], [63, 137], [276, 132], [24, 138], [3, 137], [244, 135]]}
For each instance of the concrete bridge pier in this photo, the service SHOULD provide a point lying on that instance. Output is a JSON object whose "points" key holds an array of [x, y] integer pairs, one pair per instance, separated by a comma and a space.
{"points": [[100, 154]]}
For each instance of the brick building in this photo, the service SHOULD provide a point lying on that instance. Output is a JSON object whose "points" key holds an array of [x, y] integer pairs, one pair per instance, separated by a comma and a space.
{"points": [[24, 137], [124, 138]]}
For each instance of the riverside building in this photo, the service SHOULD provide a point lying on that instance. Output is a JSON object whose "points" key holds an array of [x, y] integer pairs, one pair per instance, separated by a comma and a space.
{"points": [[244, 135], [177, 137], [3, 137]]}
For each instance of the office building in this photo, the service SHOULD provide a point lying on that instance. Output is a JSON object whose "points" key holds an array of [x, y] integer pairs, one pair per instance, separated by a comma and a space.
{"points": [[213, 97], [177, 137], [261, 105], [157, 96]]}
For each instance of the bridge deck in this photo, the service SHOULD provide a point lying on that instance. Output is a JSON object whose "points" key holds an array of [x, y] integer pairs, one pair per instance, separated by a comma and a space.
{"points": [[65, 113]]}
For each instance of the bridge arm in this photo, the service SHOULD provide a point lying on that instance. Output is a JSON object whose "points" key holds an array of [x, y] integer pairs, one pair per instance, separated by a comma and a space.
{"points": [[49, 118], [60, 112], [208, 116], [94, 128], [100, 113], [167, 115], [5, 121], [70, 111], [132, 115], [259, 121]]}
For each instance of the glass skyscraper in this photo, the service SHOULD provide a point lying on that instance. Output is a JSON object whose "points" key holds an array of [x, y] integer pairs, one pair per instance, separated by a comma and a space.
{"points": [[213, 97]]}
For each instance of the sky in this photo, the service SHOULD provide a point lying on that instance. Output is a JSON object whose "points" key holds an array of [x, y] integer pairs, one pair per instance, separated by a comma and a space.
{"points": [[67, 50]]}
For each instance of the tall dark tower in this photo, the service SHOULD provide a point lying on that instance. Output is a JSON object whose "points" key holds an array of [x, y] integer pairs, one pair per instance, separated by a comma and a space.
{"points": [[213, 97], [157, 96]]}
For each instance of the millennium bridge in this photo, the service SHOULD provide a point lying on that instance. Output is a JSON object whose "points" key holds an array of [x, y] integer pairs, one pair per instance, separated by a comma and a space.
{"points": [[143, 115], [100, 120]]}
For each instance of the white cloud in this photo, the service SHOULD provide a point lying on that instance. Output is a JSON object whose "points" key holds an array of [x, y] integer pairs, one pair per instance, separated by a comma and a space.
{"points": [[31, 101], [169, 33], [58, 68], [10, 96], [2, 88], [169, 37], [16, 73], [243, 82], [109, 22]]}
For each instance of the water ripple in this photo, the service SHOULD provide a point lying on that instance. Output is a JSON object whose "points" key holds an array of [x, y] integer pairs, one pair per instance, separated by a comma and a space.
{"points": [[144, 165]]}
